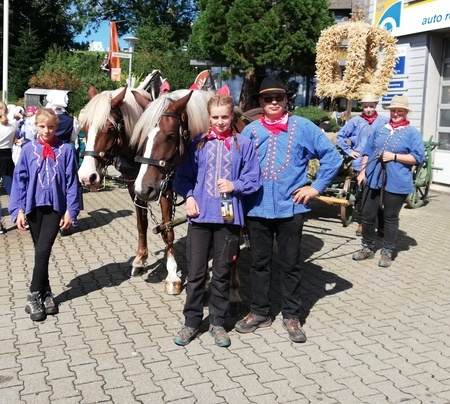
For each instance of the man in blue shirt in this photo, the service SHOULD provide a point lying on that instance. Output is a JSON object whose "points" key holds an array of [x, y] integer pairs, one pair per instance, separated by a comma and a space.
{"points": [[284, 144]]}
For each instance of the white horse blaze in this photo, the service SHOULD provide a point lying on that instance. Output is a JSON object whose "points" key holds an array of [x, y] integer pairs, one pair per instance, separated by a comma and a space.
{"points": [[148, 151], [87, 167]]}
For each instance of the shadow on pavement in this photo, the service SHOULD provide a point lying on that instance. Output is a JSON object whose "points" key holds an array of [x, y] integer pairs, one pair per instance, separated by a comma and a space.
{"points": [[106, 276], [316, 283], [101, 217]]}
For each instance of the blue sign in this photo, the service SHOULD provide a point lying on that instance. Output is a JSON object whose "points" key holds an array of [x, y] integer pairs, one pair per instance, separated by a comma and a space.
{"points": [[400, 65], [396, 84]]}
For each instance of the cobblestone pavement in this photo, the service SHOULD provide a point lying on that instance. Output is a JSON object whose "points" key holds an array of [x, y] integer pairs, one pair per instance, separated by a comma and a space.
{"points": [[374, 335]]}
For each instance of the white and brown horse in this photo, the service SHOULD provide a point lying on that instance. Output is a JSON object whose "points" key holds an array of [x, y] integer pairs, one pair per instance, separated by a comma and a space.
{"points": [[161, 135], [108, 121]]}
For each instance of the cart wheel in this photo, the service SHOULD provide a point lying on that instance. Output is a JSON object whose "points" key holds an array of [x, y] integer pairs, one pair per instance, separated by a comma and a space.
{"points": [[350, 189], [422, 181]]}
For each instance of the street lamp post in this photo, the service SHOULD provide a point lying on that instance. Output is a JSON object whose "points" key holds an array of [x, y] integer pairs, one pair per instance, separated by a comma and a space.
{"points": [[130, 40]]}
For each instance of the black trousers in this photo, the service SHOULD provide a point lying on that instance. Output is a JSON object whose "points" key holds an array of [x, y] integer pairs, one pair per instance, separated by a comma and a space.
{"points": [[44, 227], [392, 205], [288, 233], [224, 240]]}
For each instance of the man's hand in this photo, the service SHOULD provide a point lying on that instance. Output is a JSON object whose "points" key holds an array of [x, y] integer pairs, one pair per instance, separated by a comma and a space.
{"points": [[304, 194]]}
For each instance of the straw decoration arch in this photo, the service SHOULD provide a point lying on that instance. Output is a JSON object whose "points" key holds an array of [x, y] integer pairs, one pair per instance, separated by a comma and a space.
{"points": [[361, 75]]}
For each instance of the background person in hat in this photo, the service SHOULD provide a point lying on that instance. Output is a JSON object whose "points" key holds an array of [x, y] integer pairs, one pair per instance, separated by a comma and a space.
{"points": [[353, 137], [284, 144], [388, 157]]}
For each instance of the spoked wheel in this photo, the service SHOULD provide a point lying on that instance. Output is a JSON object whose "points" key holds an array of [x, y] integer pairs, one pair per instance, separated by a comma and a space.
{"points": [[347, 210], [422, 181]]}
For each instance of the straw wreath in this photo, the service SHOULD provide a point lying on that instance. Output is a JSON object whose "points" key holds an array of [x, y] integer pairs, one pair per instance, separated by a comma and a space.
{"points": [[361, 74]]}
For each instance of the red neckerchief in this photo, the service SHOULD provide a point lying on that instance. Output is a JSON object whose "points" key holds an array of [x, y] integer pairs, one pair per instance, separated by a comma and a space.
{"points": [[276, 126], [370, 119], [47, 151], [221, 136], [399, 125]]}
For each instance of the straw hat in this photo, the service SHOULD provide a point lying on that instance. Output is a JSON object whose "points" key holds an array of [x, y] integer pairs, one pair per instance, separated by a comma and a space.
{"points": [[399, 101], [369, 97]]}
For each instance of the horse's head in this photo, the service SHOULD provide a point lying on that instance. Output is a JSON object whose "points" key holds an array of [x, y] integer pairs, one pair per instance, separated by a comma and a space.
{"points": [[108, 120], [162, 151]]}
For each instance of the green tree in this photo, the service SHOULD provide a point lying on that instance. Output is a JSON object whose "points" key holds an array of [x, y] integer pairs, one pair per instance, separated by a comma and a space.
{"points": [[48, 23], [28, 55], [261, 34], [176, 14], [74, 71]]}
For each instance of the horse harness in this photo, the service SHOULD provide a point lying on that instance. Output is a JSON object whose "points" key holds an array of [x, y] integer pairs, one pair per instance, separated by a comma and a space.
{"points": [[106, 157], [167, 165]]}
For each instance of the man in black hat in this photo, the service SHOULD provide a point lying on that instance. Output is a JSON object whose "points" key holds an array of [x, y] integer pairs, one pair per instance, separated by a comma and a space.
{"points": [[284, 143]]}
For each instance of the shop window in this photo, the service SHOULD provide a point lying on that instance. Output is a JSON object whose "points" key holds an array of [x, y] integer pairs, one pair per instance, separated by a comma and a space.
{"points": [[444, 139]]}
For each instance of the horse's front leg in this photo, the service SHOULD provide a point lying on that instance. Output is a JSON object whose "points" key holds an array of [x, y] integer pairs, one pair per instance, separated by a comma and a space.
{"points": [[172, 284], [142, 227]]}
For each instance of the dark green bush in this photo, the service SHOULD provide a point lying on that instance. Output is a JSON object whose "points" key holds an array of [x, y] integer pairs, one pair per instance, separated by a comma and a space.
{"points": [[316, 115]]}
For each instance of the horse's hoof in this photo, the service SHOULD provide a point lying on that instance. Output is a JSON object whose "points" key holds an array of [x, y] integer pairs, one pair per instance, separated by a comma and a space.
{"points": [[137, 271], [172, 288]]}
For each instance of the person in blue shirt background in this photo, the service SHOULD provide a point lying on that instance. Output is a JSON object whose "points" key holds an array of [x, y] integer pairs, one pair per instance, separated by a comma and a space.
{"points": [[353, 137], [388, 158]]}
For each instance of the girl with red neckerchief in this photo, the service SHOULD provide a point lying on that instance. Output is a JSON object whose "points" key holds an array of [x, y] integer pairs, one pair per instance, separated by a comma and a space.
{"points": [[220, 162], [45, 195]]}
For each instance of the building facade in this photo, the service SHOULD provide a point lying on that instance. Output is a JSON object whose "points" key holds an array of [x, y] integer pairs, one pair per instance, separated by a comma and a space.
{"points": [[422, 28]]}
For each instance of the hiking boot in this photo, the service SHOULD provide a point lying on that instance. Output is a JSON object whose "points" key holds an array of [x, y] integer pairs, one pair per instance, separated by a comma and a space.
{"points": [[295, 331], [49, 304], [221, 337], [185, 335], [385, 259], [359, 231], [34, 306], [364, 253], [251, 322]]}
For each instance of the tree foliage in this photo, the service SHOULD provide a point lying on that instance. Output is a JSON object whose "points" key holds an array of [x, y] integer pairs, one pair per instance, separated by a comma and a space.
{"points": [[255, 35], [251, 34], [34, 26], [74, 71], [130, 15]]}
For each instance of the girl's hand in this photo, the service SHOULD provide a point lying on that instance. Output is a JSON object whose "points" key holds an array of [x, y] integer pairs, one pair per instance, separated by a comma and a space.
{"points": [[225, 186], [21, 220], [66, 221], [361, 178], [191, 207]]}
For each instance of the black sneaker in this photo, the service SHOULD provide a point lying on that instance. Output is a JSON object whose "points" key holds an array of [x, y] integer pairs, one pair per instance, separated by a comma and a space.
{"points": [[49, 304], [221, 337], [2, 228], [35, 307], [185, 335], [295, 331], [251, 322]]}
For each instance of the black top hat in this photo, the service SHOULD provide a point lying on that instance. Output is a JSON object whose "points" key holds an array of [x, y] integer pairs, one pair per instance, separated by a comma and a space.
{"points": [[271, 85]]}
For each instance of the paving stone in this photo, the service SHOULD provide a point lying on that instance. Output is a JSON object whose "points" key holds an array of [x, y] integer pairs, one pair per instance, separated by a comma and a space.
{"points": [[373, 336]]}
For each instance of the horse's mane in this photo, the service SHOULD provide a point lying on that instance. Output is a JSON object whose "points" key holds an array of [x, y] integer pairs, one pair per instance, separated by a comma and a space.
{"points": [[198, 117], [96, 112]]}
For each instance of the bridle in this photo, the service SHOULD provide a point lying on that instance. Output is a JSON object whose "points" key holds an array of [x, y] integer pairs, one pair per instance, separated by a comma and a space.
{"points": [[168, 165], [107, 156]]}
